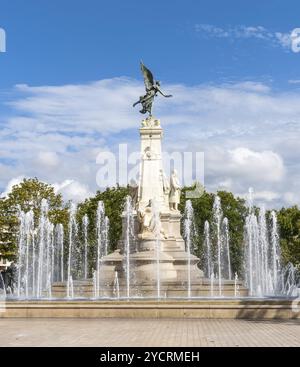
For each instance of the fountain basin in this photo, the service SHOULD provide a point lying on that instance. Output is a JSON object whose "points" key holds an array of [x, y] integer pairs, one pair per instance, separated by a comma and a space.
{"points": [[148, 308]]}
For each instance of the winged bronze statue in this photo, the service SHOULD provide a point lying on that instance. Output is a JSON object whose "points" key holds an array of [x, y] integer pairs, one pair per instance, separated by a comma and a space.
{"points": [[152, 88]]}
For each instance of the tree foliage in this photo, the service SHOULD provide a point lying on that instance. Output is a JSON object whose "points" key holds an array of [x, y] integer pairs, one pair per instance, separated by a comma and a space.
{"points": [[29, 194], [114, 200], [26, 196], [289, 225], [235, 211]]}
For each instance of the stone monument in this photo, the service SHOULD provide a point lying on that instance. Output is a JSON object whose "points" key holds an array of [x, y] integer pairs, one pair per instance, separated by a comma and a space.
{"points": [[151, 259], [156, 219]]}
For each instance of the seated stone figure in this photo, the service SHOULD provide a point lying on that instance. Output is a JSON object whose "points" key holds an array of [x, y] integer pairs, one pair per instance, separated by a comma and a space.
{"points": [[150, 225]]}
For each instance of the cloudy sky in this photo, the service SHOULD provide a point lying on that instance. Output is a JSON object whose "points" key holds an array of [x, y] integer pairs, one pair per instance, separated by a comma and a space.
{"points": [[71, 73]]}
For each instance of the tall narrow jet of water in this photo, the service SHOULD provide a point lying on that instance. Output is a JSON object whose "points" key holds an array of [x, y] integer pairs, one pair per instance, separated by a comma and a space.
{"points": [[45, 236], [263, 249], [188, 235], [275, 253], [157, 234], [2, 289], [85, 225], [21, 246], [106, 235], [128, 213], [59, 253], [217, 219], [116, 288], [226, 249], [264, 273], [72, 254], [209, 267], [102, 242]]}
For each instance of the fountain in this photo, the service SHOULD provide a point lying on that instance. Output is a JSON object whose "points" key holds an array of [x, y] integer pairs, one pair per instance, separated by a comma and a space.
{"points": [[157, 234], [212, 280], [207, 250], [236, 287], [116, 290], [58, 257], [226, 241], [72, 253], [85, 224], [154, 258], [128, 214], [36, 255], [264, 273], [216, 247], [188, 236], [2, 289]]}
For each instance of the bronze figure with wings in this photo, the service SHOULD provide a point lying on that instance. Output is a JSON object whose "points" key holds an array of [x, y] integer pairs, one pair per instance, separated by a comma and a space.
{"points": [[152, 88]]}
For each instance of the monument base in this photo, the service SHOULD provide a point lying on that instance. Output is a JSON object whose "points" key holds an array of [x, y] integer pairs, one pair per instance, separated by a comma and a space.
{"points": [[149, 289]]}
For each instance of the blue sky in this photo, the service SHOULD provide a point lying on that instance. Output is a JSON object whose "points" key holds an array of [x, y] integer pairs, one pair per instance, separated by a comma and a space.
{"points": [[71, 73], [74, 41]]}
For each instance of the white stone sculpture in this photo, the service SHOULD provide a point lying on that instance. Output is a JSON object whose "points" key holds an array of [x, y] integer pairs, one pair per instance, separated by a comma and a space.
{"points": [[149, 227], [175, 189]]}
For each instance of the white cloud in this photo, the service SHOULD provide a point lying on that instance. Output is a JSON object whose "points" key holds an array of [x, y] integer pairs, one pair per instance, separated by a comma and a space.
{"points": [[261, 196], [245, 32], [48, 158], [266, 165], [284, 39], [291, 198], [294, 81], [11, 183], [72, 190], [248, 132]]}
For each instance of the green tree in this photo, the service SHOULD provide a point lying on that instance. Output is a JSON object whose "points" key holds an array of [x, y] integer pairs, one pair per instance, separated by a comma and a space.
{"points": [[289, 225], [114, 200], [235, 211], [27, 196]]}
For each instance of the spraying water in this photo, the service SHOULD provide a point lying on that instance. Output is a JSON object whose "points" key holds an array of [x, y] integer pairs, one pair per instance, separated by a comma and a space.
{"points": [[225, 248], [95, 284], [207, 251], [265, 275], [73, 230], [188, 235], [58, 269], [116, 287], [217, 218], [36, 254], [99, 226], [236, 285], [2, 288], [212, 279], [217, 246], [157, 233], [85, 225], [102, 226], [129, 223], [106, 235]]}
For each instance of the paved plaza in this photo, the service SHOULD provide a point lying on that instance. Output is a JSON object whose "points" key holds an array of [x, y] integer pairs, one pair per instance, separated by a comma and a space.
{"points": [[149, 332]]}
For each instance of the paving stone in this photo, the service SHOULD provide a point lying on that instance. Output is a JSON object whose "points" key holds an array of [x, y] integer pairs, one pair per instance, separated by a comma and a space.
{"points": [[149, 332]]}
